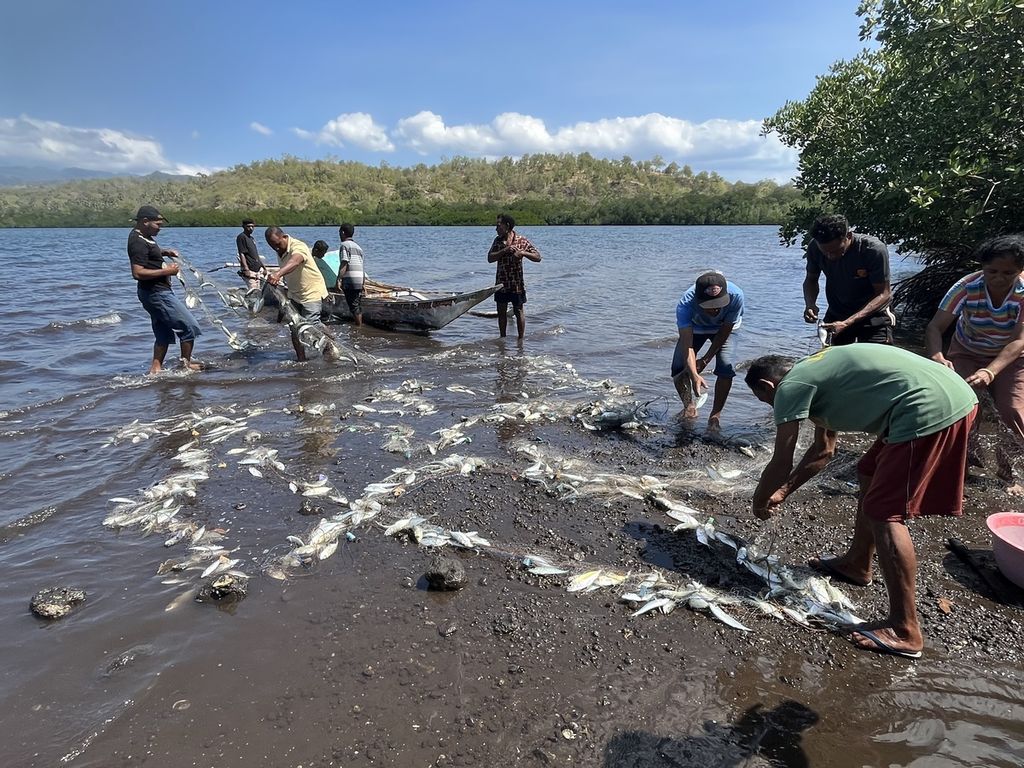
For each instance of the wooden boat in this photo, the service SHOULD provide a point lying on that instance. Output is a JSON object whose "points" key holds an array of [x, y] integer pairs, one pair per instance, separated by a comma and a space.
{"points": [[402, 309]]}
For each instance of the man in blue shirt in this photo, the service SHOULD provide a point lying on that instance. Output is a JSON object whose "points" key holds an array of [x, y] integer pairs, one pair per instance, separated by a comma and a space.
{"points": [[708, 312]]}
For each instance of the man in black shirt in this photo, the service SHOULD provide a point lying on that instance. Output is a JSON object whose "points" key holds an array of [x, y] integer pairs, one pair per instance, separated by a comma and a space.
{"points": [[857, 286], [168, 314], [251, 266]]}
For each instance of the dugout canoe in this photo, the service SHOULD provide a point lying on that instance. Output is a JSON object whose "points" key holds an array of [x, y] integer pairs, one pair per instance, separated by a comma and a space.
{"points": [[402, 309]]}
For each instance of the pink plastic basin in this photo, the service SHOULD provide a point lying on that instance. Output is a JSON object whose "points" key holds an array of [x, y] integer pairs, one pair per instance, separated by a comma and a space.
{"points": [[1008, 544]]}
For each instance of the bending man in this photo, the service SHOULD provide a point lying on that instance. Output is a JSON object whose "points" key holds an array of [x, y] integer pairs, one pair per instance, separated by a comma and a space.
{"points": [[709, 311], [921, 413], [306, 287]]}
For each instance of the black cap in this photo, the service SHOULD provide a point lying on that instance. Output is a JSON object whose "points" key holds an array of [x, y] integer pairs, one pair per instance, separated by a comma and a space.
{"points": [[247, 222], [712, 291], [149, 212]]}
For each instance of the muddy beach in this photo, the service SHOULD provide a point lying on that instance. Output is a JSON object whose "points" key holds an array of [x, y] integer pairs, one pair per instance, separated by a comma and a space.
{"points": [[349, 660], [368, 667]]}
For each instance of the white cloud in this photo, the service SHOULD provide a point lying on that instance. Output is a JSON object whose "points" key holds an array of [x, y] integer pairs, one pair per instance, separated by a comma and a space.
{"points": [[356, 129], [261, 129], [27, 141], [721, 145], [426, 133]]}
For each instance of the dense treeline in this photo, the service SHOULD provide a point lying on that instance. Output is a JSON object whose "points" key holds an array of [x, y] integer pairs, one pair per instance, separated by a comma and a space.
{"points": [[929, 152], [536, 189]]}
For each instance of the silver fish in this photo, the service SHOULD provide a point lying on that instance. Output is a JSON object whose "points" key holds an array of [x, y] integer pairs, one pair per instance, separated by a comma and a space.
{"points": [[328, 550], [658, 603], [725, 618], [547, 570]]}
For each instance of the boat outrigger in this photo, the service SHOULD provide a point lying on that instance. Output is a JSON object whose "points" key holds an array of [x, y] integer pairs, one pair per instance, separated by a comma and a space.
{"points": [[397, 308]]}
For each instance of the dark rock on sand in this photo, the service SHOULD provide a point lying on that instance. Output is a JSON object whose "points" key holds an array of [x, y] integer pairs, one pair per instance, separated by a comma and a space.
{"points": [[224, 588], [308, 508], [446, 573], [56, 602]]}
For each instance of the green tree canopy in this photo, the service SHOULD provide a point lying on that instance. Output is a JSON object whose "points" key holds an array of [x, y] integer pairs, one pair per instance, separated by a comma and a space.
{"points": [[919, 140]]}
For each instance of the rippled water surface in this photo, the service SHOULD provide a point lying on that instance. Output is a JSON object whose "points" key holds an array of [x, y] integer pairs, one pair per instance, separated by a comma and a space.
{"points": [[601, 306]]}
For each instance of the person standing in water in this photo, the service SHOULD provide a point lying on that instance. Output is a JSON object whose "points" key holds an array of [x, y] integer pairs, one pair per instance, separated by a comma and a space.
{"points": [[168, 313], [711, 310], [249, 262], [351, 273], [306, 287], [508, 251]]}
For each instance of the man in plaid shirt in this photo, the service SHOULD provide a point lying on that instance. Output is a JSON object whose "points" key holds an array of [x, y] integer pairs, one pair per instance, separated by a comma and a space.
{"points": [[508, 250]]}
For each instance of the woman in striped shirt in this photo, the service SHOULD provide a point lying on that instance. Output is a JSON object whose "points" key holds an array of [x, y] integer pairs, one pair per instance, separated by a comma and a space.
{"points": [[988, 343]]}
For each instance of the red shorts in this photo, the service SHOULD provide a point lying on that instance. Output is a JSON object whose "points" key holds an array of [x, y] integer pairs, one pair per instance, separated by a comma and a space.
{"points": [[920, 477]]}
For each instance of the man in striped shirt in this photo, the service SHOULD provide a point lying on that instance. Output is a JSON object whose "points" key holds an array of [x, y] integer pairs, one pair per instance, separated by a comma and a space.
{"points": [[350, 272]]}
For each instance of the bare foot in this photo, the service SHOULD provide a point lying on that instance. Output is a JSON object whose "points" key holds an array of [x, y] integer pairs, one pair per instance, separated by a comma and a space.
{"points": [[192, 365], [714, 423], [888, 640], [840, 569], [1016, 490], [690, 412]]}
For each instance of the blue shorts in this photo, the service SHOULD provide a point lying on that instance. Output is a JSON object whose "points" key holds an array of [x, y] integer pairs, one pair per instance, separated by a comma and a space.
{"points": [[508, 297], [170, 316], [723, 360]]}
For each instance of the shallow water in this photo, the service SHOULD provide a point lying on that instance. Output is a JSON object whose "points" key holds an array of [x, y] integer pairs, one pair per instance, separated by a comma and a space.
{"points": [[601, 306]]}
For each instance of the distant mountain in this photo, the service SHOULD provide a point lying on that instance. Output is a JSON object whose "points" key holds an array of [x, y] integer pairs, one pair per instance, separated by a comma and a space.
{"points": [[166, 176], [17, 175]]}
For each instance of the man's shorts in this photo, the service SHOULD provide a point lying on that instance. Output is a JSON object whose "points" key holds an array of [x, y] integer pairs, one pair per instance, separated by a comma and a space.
{"points": [[169, 316], [508, 297], [723, 360], [354, 299], [874, 330], [920, 477], [311, 310]]}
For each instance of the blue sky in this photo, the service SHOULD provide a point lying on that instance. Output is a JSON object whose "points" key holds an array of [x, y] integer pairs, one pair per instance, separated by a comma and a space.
{"points": [[200, 85]]}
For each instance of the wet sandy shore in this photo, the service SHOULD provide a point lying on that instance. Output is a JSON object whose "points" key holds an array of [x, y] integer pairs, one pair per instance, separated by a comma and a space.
{"points": [[356, 664]]}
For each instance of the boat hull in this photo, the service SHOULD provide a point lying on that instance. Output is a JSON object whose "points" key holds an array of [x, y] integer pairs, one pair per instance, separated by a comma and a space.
{"points": [[403, 309]]}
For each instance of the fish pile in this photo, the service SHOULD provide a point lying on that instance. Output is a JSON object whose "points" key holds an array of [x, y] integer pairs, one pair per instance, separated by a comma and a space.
{"points": [[321, 542], [156, 509], [810, 602], [569, 478], [611, 414]]}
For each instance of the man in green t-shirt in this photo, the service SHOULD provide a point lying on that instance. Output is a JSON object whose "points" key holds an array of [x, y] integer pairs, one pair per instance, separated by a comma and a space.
{"points": [[921, 413]]}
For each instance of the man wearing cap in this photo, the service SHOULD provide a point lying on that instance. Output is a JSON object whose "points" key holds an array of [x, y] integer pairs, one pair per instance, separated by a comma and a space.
{"points": [[857, 286], [709, 311], [305, 283], [168, 314], [251, 266]]}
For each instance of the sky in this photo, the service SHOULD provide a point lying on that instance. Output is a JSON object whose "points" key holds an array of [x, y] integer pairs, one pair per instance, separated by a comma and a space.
{"points": [[201, 85]]}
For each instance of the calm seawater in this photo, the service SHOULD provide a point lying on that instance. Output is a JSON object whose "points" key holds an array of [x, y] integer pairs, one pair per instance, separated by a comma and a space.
{"points": [[76, 348]]}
